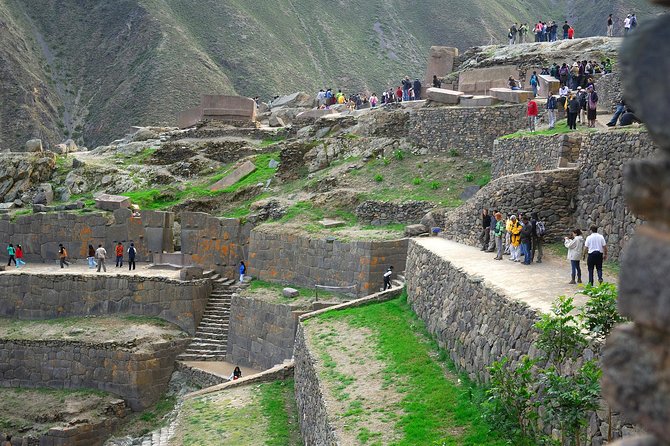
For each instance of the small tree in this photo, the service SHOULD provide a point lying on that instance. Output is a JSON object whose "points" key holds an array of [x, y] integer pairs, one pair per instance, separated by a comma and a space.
{"points": [[570, 399], [599, 315], [560, 335]]}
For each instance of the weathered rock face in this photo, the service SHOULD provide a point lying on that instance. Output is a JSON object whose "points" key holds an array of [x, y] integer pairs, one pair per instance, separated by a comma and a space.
{"points": [[20, 173], [550, 193], [609, 91], [379, 213]]}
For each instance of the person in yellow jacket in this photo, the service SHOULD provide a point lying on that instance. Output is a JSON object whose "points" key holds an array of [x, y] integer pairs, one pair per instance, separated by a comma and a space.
{"points": [[515, 239]]}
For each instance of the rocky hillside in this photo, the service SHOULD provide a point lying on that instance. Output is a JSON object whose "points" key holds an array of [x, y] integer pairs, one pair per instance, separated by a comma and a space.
{"points": [[89, 70]]}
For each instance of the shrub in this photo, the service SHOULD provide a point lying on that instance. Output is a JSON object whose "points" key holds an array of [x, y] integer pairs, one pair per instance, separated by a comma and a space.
{"points": [[416, 181], [399, 155], [560, 335], [469, 177], [454, 152], [386, 161], [434, 185], [379, 178], [599, 315]]}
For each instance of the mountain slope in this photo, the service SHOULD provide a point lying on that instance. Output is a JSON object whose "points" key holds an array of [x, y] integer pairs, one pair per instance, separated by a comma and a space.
{"points": [[97, 67]]}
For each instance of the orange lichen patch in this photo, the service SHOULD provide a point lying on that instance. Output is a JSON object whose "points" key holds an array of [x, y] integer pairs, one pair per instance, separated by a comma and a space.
{"points": [[85, 235]]}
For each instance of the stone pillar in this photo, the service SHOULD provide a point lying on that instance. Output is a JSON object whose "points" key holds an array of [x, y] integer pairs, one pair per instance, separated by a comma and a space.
{"points": [[636, 361], [440, 63]]}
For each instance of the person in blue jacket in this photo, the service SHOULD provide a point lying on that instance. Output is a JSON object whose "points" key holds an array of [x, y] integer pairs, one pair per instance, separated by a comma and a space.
{"points": [[243, 270]]}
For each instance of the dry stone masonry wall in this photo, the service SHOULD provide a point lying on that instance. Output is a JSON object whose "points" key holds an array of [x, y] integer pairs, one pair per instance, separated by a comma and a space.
{"points": [[550, 193], [600, 199], [261, 333], [532, 153], [278, 255], [139, 374], [379, 213], [468, 130], [47, 296]]}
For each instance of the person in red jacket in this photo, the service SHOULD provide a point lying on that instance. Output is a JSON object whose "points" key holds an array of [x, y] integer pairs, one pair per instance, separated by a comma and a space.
{"points": [[398, 94], [571, 33], [532, 112]]}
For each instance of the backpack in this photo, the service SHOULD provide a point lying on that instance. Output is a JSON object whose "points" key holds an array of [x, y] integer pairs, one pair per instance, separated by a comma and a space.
{"points": [[540, 229], [633, 22], [131, 252], [533, 80], [551, 103]]}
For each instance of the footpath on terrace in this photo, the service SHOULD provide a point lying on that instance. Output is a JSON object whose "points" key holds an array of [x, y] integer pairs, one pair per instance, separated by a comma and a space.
{"points": [[538, 285]]}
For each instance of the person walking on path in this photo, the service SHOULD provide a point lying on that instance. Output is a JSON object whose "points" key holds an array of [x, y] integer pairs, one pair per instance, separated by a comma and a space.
{"points": [[575, 245], [19, 256], [626, 25], [532, 113], [91, 257], [515, 239], [610, 26], [243, 270], [572, 107], [499, 232], [486, 229], [534, 83], [119, 255], [552, 105], [591, 106], [416, 86], [132, 252], [11, 253], [62, 255], [526, 235], [101, 255], [492, 232], [537, 237], [595, 247], [387, 278]]}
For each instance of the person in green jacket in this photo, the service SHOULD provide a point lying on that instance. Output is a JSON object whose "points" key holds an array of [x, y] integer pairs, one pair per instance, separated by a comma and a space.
{"points": [[499, 233], [12, 254]]}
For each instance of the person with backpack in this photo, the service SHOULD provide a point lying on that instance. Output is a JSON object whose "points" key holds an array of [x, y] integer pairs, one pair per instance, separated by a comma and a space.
{"points": [[539, 230], [526, 236], [387, 278], [534, 82], [19, 256], [511, 34], [132, 252], [523, 30], [417, 89], [11, 252], [243, 270], [552, 105]]}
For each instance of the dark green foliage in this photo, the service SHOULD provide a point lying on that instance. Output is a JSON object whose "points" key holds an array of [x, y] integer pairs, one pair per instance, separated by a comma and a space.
{"points": [[560, 334], [599, 315]]}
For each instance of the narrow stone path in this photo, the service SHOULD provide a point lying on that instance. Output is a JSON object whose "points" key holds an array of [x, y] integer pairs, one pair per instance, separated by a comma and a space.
{"points": [[211, 337], [538, 284]]}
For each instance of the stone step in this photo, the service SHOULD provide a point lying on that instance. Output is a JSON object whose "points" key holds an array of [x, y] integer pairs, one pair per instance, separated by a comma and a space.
{"points": [[219, 334], [195, 357], [207, 350], [206, 346]]}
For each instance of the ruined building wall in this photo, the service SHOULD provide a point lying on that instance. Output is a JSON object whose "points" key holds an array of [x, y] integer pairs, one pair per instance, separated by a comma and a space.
{"points": [[285, 256], [48, 296]]}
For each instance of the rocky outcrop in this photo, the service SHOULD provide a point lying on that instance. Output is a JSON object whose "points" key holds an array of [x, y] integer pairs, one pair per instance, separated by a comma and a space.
{"points": [[21, 173]]}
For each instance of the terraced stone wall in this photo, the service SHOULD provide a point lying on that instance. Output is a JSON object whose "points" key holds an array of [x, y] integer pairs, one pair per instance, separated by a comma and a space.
{"points": [[468, 130], [47, 296], [261, 333], [533, 153], [277, 255], [40, 234], [138, 374]]}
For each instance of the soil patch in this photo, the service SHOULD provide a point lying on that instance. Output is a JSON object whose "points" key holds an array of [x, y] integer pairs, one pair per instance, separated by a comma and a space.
{"points": [[363, 400]]}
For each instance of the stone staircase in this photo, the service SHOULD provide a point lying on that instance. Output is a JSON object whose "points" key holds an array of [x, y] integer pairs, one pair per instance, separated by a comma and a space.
{"points": [[211, 337]]}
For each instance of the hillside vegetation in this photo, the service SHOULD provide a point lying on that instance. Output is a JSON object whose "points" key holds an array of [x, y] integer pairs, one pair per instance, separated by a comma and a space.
{"points": [[89, 70]]}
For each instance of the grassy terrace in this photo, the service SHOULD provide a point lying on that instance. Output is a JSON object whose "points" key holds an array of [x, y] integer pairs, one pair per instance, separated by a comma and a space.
{"points": [[388, 383], [272, 292], [262, 415]]}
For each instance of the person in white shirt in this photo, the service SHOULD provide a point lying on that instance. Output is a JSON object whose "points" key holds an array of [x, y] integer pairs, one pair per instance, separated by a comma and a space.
{"points": [[626, 25], [575, 245], [596, 247], [101, 255], [387, 278]]}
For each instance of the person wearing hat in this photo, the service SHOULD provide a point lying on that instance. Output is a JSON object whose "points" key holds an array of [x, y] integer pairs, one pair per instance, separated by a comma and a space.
{"points": [[626, 25], [515, 239], [387, 278], [591, 106]]}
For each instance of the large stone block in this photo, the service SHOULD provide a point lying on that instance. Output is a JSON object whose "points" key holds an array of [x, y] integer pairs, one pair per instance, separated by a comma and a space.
{"points": [[512, 96], [111, 202], [478, 101], [236, 175], [444, 96], [549, 85]]}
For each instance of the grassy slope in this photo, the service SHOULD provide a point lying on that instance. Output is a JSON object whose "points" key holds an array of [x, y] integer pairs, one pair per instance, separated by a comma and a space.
{"points": [[437, 408], [140, 61]]}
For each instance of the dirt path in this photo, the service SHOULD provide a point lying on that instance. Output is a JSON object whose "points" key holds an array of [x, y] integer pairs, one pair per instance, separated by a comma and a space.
{"points": [[362, 399]]}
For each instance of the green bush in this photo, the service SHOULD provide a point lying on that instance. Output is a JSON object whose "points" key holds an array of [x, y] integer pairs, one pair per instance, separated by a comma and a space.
{"points": [[386, 161], [434, 185], [416, 181], [469, 177], [399, 155], [379, 178], [599, 315], [454, 152]]}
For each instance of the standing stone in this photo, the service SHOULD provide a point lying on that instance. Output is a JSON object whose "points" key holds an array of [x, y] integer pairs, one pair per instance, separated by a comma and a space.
{"points": [[44, 195], [34, 145]]}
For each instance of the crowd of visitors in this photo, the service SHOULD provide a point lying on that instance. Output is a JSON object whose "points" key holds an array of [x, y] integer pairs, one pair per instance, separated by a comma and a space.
{"points": [[408, 90], [95, 257], [522, 236], [549, 31]]}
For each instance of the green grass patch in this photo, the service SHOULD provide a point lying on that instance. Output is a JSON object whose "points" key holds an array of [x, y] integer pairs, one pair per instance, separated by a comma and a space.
{"points": [[278, 405], [271, 141], [139, 158], [305, 292], [561, 128], [437, 409]]}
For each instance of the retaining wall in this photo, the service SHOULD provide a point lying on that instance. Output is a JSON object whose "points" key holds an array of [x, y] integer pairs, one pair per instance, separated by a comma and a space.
{"points": [[552, 193], [40, 234], [379, 213], [139, 374], [600, 199], [48, 296], [277, 254], [468, 130], [533, 153], [261, 333]]}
